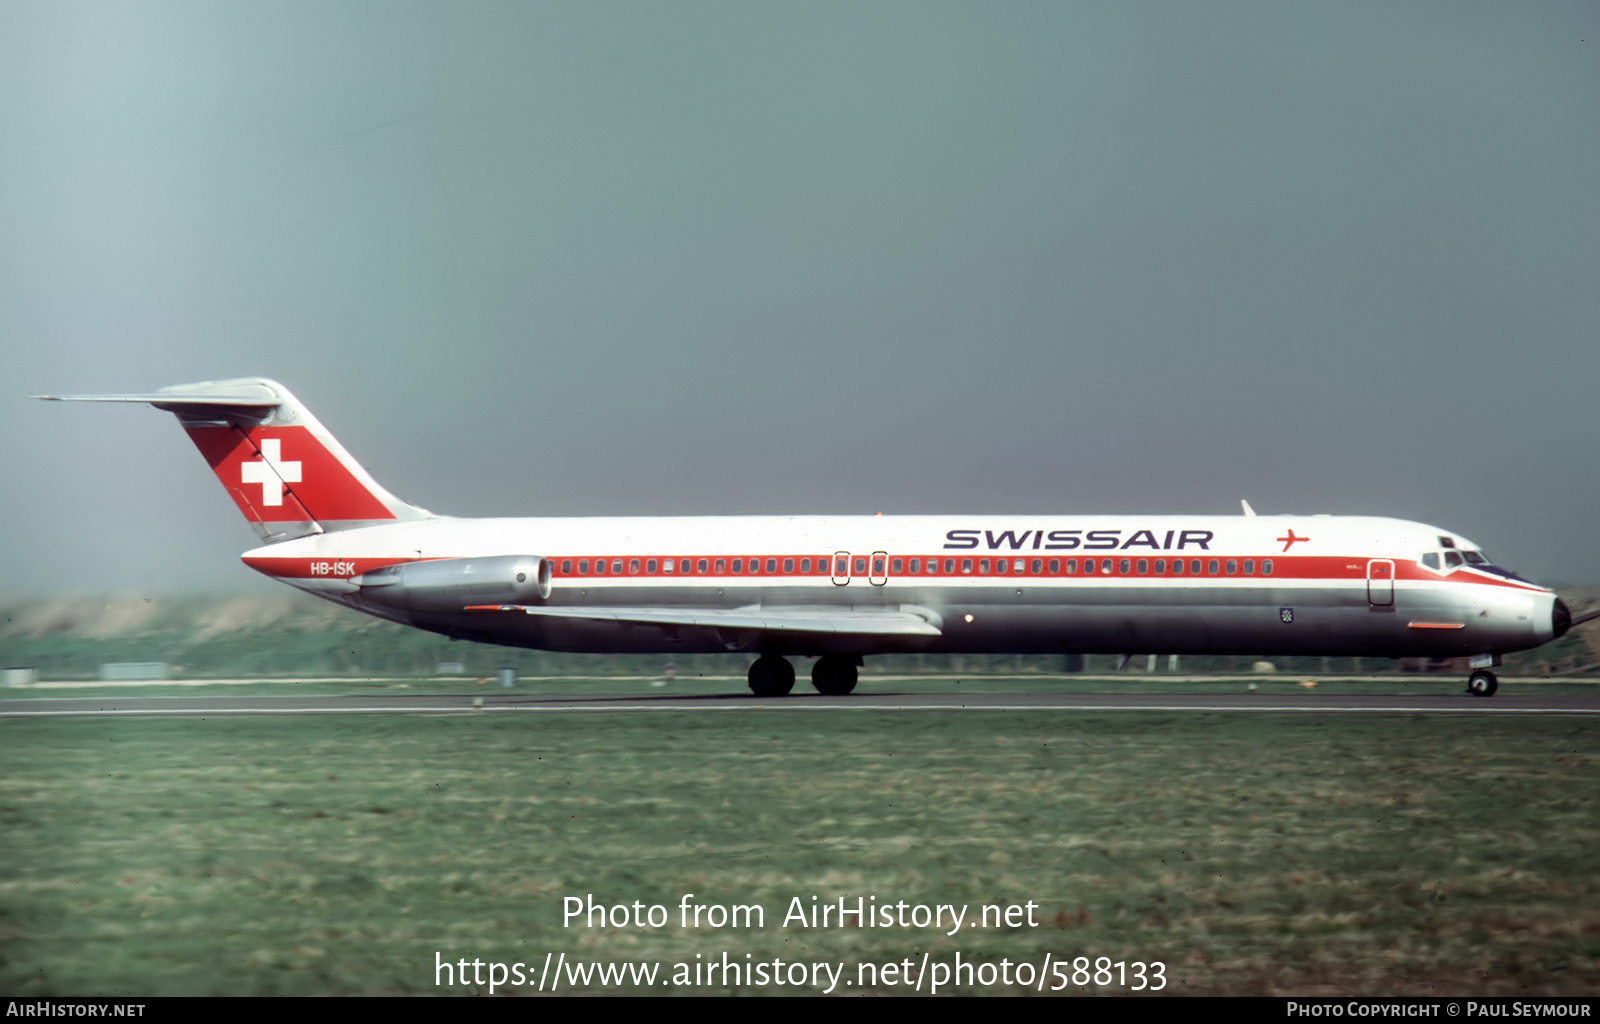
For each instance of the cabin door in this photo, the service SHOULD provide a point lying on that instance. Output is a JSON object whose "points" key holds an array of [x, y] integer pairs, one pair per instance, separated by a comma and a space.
{"points": [[1380, 582]]}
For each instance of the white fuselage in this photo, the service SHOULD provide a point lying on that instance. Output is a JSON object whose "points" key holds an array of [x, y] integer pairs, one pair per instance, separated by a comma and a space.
{"points": [[1025, 584]]}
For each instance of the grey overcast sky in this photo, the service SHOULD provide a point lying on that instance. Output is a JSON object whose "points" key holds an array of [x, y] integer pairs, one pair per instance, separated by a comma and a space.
{"points": [[689, 257]]}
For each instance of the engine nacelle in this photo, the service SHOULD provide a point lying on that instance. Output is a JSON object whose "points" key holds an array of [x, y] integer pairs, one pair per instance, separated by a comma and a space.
{"points": [[451, 584]]}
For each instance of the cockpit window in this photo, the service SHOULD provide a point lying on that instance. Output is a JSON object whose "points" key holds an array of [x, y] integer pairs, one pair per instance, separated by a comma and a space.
{"points": [[1431, 560], [1452, 559], [1474, 558]]}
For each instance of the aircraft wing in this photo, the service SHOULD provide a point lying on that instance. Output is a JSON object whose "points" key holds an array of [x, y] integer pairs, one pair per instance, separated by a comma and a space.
{"points": [[889, 622]]}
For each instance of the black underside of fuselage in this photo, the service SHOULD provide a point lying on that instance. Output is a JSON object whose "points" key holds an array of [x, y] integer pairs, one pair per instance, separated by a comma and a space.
{"points": [[1009, 620]]}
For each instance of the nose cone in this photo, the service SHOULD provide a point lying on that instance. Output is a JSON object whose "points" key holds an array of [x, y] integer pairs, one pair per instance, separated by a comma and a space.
{"points": [[1560, 618]]}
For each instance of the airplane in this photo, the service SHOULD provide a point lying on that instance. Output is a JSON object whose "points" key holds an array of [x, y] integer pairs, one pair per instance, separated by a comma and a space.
{"points": [[840, 588]]}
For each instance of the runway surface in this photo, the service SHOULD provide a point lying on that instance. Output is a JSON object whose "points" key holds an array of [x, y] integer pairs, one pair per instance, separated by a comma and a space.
{"points": [[205, 706]]}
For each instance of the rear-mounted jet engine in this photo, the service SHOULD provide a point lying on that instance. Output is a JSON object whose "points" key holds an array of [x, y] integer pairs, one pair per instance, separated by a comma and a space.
{"points": [[451, 584]]}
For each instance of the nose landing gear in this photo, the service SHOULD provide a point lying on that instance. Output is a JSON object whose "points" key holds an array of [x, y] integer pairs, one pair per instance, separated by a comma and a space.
{"points": [[1482, 683]]}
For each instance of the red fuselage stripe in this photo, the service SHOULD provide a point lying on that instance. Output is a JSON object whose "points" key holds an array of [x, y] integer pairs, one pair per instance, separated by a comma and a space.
{"points": [[597, 569]]}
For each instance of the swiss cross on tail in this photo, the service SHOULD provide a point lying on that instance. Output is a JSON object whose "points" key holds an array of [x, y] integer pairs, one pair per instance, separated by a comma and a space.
{"points": [[272, 473], [284, 475], [287, 474]]}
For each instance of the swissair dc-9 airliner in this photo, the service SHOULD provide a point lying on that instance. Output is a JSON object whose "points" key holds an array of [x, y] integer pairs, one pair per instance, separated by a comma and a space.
{"points": [[839, 588]]}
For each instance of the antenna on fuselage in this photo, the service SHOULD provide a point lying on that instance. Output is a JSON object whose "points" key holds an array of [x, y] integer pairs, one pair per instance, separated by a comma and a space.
{"points": [[1246, 506]]}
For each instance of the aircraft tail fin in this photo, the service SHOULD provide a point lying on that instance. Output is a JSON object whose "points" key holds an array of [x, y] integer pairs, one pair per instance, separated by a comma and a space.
{"points": [[289, 476]]}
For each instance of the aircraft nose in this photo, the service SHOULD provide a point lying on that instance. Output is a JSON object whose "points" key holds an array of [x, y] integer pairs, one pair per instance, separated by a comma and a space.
{"points": [[1560, 618]]}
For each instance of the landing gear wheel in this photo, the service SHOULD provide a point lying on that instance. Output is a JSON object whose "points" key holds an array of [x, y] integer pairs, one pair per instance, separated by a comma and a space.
{"points": [[834, 675], [1482, 684], [771, 677]]}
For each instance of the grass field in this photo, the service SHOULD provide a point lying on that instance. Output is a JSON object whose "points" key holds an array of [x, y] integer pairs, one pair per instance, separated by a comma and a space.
{"points": [[1250, 854]]}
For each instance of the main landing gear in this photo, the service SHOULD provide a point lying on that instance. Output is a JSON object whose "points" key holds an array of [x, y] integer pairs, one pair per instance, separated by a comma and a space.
{"points": [[833, 674], [1482, 683], [771, 676]]}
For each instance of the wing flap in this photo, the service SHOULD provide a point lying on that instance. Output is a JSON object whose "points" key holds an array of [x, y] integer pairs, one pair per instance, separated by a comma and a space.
{"points": [[791, 620]]}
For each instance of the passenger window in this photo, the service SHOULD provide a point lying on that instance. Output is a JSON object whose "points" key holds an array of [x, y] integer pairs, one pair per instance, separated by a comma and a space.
{"points": [[1142, 567], [1017, 565], [1088, 566], [1105, 565], [650, 565], [916, 565], [966, 565], [1452, 559], [583, 567], [983, 567], [700, 566], [738, 565], [1194, 567], [772, 565], [861, 565], [1038, 566], [1431, 560], [841, 567], [805, 565], [896, 566], [1266, 567], [1232, 566], [1211, 567], [633, 566], [722, 565], [1000, 566], [950, 566], [1122, 566], [616, 567], [1161, 567], [566, 567], [877, 567], [1249, 566], [683, 566], [599, 567], [788, 566], [1055, 566], [1177, 567], [666, 565]]}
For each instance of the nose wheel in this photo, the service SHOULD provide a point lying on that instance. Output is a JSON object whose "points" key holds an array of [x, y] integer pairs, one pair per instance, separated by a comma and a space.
{"points": [[1482, 684]]}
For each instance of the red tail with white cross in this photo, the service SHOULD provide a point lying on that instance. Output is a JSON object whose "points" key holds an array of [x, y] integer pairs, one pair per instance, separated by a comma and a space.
{"points": [[287, 474]]}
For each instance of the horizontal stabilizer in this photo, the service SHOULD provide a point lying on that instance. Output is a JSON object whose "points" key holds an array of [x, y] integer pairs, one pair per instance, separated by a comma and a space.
{"points": [[792, 620], [164, 400], [235, 393]]}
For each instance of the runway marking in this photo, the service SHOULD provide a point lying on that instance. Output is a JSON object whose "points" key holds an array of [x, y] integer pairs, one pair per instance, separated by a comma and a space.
{"points": [[767, 706]]}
